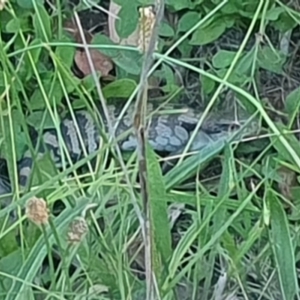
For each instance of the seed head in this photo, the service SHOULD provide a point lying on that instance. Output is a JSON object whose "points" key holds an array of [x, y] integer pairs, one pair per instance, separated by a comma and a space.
{"points": [[37, 211], [77, 230]]}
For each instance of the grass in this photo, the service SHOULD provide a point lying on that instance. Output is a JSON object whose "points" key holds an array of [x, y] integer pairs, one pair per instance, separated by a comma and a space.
{"points": [[238, 241]]}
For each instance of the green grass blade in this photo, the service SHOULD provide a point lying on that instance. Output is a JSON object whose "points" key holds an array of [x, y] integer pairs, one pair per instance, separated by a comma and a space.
{"points": [[282, 249], [159, 217], [189, 166]]}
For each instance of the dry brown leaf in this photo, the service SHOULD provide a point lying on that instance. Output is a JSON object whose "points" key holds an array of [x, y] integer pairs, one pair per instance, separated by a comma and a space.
{"points": [[100, 61], [131, 40]]}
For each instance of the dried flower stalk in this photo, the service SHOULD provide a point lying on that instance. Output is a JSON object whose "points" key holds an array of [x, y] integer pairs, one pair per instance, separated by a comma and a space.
{"points": [[2, 4], [146, 25], [148, 37]]}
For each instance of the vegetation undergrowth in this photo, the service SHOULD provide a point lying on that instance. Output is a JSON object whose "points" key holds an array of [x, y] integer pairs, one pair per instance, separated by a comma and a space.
{"points": [[224, 221]]}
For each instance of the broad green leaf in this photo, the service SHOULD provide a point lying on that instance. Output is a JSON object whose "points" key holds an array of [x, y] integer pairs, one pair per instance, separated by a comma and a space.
{"points": [[285, 22], [248, 8], [101, 39], [270, 59], [28, 4], [31, 60], [188, 20], [121, 88], [65, 53], [166, 74], [134, 3], [38, 118], [185, 48], [142, 2], [6, 17], [53, 90], [35, 52], [234, 78], [207, 83], [37, 101], [210, 33], [223, 58], [128, 20], [166, 30], [129, 61], [281, 241], [182, 4], [69, 82], [244, 65], [88, 82], [42, 24], [170, 89], [13, 26], [231, 7], [274, 13], [178, 5], [292, 102]]}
